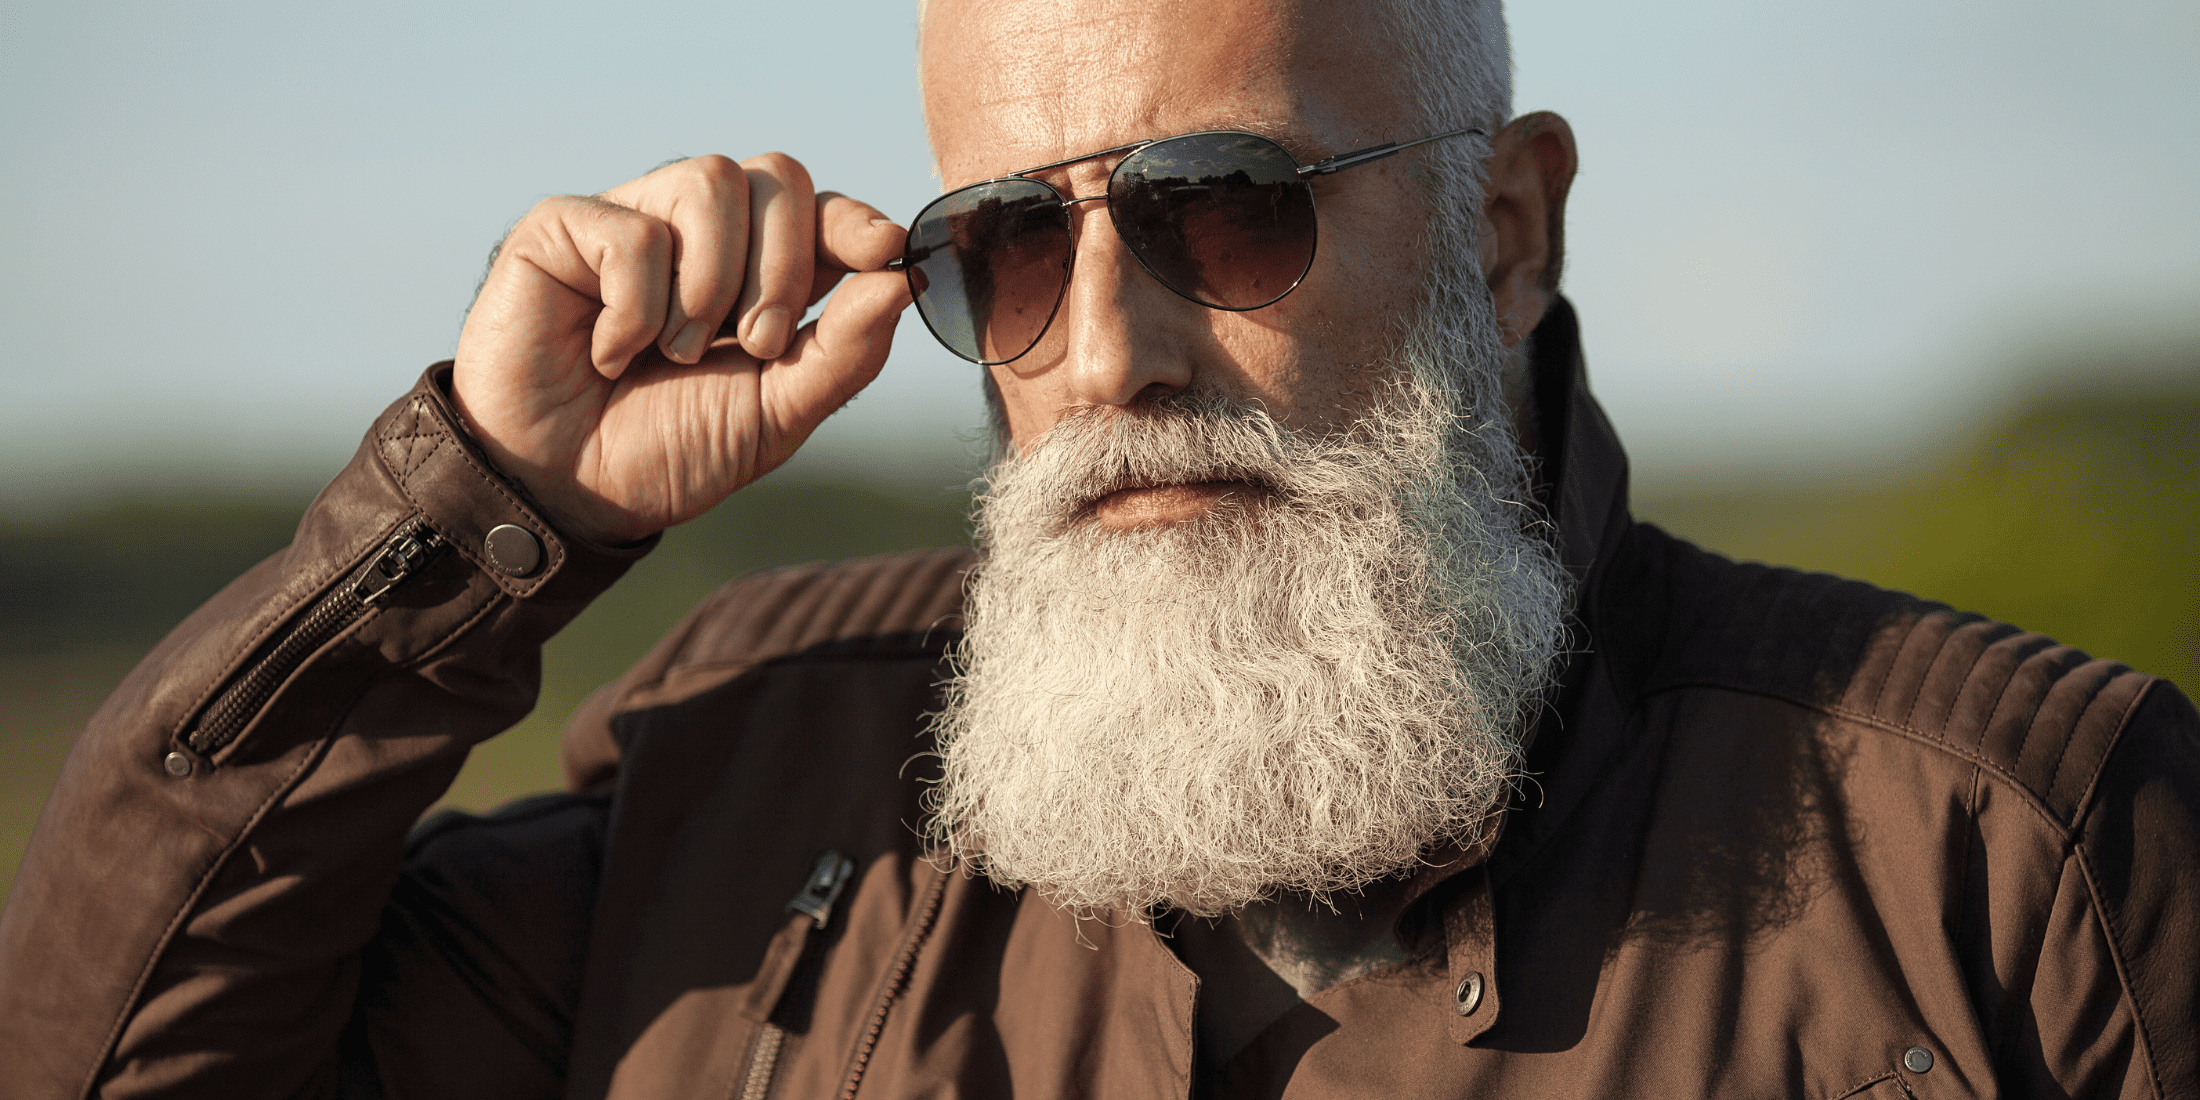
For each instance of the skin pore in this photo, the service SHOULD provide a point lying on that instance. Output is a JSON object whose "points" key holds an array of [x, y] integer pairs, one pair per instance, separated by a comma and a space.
{"points": [[1008, 85]]}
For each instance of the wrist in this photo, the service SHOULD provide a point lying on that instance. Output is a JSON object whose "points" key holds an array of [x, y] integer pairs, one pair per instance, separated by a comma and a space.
{"points": [[572, 517]]}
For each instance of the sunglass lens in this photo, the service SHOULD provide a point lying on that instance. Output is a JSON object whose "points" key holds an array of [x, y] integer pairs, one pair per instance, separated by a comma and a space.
{"points": [[988, 264], [1221, 218]]}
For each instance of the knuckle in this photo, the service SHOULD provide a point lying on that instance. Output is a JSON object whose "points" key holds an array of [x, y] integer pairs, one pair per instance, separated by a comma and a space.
{"points": [[781, 165], [716, 170], [640, 233], [558, 208], [718, 180]]}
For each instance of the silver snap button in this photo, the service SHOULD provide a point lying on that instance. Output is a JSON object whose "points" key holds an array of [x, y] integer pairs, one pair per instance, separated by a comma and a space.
{"points": [[1469, 994], [178, 764], [1918, 1059], [515, 551]]}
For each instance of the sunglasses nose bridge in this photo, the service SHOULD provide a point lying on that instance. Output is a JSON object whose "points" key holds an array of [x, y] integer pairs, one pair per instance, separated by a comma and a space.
{"points": [[1116, 333]]}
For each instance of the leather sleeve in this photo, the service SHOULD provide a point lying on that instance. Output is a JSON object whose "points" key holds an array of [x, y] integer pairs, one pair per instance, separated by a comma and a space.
{"points": [[190, 917], [2139, 852]]}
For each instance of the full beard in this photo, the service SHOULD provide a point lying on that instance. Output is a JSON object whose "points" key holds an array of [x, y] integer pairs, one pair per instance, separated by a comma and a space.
{"points": [[1301, 690]]}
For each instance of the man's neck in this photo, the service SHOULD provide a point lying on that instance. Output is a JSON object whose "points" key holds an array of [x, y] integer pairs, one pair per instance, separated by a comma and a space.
{"points": [[1264, 960]]}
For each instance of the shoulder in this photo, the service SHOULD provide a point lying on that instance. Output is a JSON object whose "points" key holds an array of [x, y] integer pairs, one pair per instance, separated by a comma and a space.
{"points": [[2038, 715], [792, 610], [905, 606]]}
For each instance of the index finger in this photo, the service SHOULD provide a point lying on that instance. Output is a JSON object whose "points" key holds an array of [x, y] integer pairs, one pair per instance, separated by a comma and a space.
{"points": [[854, 236], [851, 236]]}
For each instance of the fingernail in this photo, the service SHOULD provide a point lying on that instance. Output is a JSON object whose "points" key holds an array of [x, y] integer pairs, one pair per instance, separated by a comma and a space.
{"points": [[768, 333], [888, 223], [688, 346]]}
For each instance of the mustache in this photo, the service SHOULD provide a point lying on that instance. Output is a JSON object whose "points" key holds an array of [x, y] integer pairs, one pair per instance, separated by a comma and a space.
{"points": [[1178, 439]]}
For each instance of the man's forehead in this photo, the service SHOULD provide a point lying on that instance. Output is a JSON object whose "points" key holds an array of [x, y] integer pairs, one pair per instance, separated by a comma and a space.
{"points": [[1013, 83]]}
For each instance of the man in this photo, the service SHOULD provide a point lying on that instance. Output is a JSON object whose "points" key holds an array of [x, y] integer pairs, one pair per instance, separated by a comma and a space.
{"points": [[1317, 723]]}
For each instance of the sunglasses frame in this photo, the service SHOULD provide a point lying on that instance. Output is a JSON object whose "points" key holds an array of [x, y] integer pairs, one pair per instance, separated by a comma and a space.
{"points": [[1306, 172]]}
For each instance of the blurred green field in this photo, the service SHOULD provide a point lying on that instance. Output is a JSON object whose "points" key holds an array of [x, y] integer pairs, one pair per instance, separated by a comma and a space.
{"points": [[2077, 516]]}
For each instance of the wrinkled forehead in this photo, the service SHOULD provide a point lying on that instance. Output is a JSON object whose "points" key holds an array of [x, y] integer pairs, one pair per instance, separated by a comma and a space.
{"points": [[1013, 83]]}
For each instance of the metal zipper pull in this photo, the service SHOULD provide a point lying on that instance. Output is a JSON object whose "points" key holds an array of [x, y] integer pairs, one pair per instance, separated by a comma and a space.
{"points": [[827, 879], [254, 685], [403, 554]]}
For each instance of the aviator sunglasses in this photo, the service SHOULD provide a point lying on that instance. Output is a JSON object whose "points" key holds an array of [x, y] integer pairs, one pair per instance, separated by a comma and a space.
{"points": [[1221, 217]]}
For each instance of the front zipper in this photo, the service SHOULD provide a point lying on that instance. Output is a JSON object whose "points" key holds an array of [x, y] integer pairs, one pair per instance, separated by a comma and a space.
{"points": [[763, 1062], [897, 979], [401, 556], [829, 876]]}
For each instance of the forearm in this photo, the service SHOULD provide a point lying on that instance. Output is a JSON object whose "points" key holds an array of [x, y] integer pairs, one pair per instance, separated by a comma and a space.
{"points": [[190, 911]]}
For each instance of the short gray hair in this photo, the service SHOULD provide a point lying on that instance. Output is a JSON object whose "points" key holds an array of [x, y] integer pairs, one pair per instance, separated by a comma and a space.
{"points": [[1459, 56]]}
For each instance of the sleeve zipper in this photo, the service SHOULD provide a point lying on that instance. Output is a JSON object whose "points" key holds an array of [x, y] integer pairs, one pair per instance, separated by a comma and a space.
{"points": [[401, 556]]}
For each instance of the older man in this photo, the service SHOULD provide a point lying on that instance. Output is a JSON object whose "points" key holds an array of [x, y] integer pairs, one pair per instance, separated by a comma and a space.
{"points": [[1317, 723]]}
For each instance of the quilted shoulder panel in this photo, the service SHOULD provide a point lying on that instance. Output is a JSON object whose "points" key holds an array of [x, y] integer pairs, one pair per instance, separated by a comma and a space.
{"points": [[2040, 714]]}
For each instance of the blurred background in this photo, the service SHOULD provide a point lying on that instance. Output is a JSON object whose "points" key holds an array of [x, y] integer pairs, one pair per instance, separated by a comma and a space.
{"points": [[1903, 291]]}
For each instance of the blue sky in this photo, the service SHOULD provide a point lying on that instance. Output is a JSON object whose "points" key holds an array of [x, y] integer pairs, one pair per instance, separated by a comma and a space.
{"points": [[1803, 235]]}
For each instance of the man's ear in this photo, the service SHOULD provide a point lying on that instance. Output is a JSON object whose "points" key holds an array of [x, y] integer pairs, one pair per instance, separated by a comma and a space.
{"points": [[1523, 245]]}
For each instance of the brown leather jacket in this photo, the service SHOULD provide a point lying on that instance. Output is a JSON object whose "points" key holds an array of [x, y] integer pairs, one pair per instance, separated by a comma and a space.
{"points": [[1788, 836]]}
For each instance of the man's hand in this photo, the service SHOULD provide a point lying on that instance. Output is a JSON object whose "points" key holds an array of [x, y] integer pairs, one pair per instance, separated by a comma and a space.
{"points": [[590, 367]]}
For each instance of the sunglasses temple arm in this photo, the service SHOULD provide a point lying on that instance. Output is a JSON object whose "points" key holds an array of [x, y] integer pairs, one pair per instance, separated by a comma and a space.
{"points": [[1372, 153]]}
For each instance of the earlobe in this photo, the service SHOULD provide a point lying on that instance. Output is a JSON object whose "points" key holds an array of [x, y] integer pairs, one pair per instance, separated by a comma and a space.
{"points": [[1531, 169]]}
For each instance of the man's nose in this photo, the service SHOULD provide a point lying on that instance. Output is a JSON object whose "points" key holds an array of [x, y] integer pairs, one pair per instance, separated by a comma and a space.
{"points": [[1122, 331]]}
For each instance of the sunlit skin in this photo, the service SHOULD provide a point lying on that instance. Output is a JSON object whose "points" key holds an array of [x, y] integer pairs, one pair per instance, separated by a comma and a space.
{"points": [[1012, 84], [587, 369]]}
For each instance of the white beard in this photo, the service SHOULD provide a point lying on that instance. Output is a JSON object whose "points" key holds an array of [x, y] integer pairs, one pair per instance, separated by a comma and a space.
{"points": [[1300, 691]]}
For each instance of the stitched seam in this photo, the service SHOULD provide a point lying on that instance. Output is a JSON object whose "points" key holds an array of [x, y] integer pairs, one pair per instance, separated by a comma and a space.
{"points": [[1940, 646], [190, 902], [2112, 936], [442, 434], [1879, 698], [417, 457], [2035, 801], [1969, 674], [2093, 783], [412, 431], [1866, 1083], [555, 546], [411, 453], [1964, 923], [487, 605], [2031, 719]]}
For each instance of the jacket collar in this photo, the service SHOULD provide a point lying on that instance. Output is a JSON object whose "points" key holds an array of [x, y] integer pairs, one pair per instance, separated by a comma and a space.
{"points": [[1581, 453], [1584, 492], [1586, 469]]}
